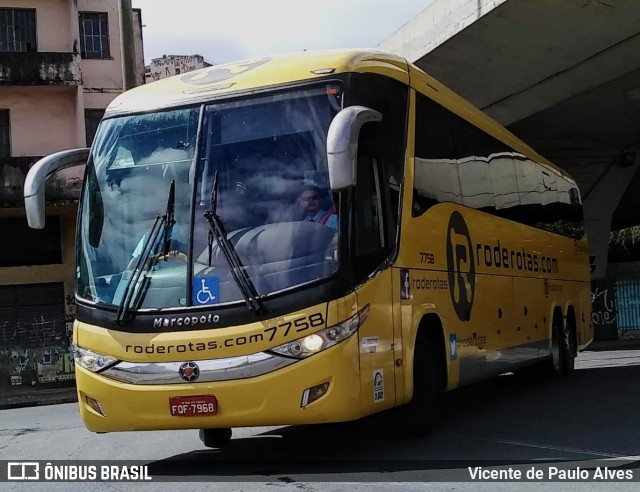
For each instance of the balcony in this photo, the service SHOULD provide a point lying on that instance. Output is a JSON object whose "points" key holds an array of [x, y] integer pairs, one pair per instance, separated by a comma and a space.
{"points": [[63, 188], [36, 68]]}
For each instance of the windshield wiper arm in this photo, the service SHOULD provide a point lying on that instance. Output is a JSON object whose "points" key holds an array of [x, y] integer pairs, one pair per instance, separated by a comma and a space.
{"points": [[162, 224], [169, 217], [216, 229]]}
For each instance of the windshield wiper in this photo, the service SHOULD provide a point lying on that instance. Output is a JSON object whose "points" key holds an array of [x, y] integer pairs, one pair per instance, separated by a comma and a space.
{"points": [[169, 217], [131, 297], [216, 229]]}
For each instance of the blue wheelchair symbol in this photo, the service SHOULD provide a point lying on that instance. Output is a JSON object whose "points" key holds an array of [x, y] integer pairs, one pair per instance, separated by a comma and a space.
{"points": [[206, 290]]}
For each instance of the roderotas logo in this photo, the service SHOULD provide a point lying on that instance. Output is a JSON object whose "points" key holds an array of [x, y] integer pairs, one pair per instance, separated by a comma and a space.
{"points": [[461, 267], [218, 73]]}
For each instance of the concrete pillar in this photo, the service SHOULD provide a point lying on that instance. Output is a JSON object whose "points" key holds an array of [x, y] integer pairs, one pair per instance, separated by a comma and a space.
{"points": [[599, 203], [127, 44], [74, 29]]}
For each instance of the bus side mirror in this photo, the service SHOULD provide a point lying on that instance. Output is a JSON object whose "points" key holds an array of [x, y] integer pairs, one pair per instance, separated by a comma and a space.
{"points": [[37, 175], [342, 144]]}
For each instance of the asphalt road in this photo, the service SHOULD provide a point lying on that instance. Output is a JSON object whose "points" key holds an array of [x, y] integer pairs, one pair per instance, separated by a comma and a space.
{"points": [[508, 421]]}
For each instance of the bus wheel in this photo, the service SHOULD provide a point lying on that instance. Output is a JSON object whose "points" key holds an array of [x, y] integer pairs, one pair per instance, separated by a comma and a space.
{"points": [[215, 438], [555, 364], [428, 385], [567, 358]]}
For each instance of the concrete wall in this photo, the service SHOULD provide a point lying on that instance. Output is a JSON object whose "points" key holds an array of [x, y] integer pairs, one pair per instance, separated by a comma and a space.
{"points": [[43, 120], [34, 366], [104, 75], [53, 23], [54, 114], [47, 273]]}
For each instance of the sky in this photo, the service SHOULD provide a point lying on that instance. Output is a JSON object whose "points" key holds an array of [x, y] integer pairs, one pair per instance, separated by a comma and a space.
{"points": [[224, 31]]}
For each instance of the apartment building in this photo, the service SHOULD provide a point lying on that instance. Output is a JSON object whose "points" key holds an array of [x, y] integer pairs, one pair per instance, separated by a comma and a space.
{"points": [[61, 63]]}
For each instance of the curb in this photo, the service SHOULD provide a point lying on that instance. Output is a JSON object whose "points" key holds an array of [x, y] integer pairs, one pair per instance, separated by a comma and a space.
{"points": [[38, 400], [609, 345]]}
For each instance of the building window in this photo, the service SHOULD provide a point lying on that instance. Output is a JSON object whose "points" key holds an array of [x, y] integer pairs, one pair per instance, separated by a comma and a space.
{"points": [[18, 30], [94, 35], [24, 246], [92, 119], [5, 134]]}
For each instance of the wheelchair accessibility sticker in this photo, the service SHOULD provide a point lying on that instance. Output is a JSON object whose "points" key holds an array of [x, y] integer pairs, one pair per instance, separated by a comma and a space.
{"points": [[206, 290]]}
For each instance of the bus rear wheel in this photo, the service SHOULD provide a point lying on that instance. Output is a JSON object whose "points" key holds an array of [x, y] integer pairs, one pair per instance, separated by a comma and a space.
{"points": [[215, 438], [562, 361], [567, 350], [555, 363]]}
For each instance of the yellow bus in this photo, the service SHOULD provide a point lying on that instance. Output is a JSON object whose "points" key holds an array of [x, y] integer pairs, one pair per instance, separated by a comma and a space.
{"points": [[309, 238]]}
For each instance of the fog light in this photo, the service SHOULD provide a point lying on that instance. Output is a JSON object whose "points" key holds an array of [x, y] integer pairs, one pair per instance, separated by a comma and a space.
{"points": [[333, 334], [312, 394], [295, 348], [95, 405]]}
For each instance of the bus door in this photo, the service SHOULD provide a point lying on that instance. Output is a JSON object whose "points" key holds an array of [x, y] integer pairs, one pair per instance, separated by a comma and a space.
{"points": [[371, 248]]}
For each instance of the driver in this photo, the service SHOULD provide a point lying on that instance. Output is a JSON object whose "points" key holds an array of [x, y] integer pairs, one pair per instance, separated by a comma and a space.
{"points": [[310, 201]]}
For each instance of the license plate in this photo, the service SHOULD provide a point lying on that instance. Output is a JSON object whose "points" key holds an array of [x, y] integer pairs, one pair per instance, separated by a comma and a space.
{"points": [[193, 406]]}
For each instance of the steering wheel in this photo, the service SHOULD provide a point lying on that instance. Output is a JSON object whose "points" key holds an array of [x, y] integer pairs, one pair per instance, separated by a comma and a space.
{"points": [[174, 254]]}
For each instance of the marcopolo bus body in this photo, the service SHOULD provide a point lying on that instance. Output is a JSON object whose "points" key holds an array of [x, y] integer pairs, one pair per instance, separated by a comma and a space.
{"points": [[312, 238]]}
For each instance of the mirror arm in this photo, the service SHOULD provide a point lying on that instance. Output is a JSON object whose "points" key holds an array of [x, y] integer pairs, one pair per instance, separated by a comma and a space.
{"points": [[34, 183], [342, 144]]}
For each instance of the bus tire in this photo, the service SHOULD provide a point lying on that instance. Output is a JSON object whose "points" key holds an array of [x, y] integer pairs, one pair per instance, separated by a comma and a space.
{"points": [[567, 358], [429, 380], [215, 438], [554, 364]]}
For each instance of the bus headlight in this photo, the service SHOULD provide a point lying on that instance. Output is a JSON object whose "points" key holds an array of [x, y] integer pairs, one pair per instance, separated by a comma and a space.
{"points": [[91, 360], [323, 339]]}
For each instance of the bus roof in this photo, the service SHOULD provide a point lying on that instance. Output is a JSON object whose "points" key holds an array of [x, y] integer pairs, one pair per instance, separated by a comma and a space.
{"points": [[251, 74]]}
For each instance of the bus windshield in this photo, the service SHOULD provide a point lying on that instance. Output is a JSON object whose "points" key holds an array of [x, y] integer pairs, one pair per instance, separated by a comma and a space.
{"points": [[146, 238]]}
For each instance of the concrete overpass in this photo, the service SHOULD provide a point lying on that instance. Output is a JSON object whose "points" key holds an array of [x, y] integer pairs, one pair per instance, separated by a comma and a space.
{"points": [[563, 75]]}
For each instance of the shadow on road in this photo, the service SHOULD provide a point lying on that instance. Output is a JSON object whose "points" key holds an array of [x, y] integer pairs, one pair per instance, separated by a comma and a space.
{"points": [[504, 421]]}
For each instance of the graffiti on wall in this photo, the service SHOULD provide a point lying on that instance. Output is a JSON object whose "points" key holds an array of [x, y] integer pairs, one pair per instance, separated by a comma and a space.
{"points": [[69, 314], [603, 306], [35, 352]]}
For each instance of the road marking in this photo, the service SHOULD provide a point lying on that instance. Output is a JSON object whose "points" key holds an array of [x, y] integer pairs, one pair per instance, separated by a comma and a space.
{"points": [[549, 447]]}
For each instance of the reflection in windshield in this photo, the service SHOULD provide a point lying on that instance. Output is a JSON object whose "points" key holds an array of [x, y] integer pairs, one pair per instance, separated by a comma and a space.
{"points": [[273, 200], [266, 152], [236, 268], [133, 162]]}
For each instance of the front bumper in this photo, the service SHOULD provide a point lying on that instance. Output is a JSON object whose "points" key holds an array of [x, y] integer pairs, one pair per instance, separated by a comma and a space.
{"points": [[269, 399]]}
